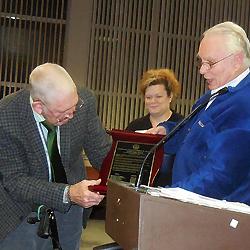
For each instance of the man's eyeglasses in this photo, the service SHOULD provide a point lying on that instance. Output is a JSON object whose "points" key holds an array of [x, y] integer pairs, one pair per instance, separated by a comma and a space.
{"points": [[79, 104], [77, 107], [208, 65]]}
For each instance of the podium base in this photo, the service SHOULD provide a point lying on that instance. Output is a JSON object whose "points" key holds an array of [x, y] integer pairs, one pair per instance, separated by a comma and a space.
{"points": [[109, 246]]}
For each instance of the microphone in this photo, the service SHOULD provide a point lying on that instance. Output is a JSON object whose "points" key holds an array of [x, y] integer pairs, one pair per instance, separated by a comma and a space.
{"points": [[176, 128]]}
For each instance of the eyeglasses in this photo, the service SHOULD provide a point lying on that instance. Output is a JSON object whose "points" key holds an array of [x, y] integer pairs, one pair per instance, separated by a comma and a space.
{"points": [[208, 65], [66, 112], [79, 104]]}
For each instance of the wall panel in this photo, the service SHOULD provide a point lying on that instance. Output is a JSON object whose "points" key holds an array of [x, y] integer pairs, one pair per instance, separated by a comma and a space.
{"points": [[31, 32], [129, 37], [122, 39]]}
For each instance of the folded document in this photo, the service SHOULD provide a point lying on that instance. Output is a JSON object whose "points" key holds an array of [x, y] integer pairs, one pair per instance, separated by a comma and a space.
{"points": [[190, 197]]}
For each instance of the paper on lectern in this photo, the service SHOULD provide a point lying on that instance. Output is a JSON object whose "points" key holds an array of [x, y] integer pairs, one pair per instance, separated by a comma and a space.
{"points": [[190, 197]]}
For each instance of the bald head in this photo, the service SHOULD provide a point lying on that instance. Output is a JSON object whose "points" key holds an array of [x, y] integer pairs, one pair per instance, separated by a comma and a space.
{"points": [[50, 82], [54, 93]]}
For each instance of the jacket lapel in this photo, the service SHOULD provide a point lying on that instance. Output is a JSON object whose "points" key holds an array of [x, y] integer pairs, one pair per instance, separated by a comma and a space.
{"points": [[32, 134], [65, 145]]}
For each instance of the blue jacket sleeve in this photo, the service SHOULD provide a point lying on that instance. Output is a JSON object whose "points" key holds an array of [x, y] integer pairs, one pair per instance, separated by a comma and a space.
{"points": [[172, 145], [225, 172]]}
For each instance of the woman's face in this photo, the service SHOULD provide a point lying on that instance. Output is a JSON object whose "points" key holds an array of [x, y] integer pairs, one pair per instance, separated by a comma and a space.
{"points": [[157, 100]]}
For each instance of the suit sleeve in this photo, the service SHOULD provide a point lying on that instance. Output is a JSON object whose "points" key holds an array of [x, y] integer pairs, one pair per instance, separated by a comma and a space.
{"points": [[96, 143]]}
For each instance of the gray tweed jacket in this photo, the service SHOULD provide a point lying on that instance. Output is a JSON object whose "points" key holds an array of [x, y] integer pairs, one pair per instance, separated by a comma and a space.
{"points": [[23, 165]]}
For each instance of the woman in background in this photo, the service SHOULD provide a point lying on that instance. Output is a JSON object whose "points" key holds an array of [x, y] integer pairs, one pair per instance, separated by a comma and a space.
{"points": [[160, 89]]}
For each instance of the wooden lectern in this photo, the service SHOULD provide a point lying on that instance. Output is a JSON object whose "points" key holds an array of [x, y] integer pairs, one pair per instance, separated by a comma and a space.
{"points": [[140, 221]]}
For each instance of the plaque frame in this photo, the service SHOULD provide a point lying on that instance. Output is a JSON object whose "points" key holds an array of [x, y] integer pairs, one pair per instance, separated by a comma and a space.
{"points": [[133, 138]]}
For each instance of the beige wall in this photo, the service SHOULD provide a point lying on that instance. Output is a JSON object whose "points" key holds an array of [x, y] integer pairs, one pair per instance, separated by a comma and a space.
{"points": [[77, 40]]}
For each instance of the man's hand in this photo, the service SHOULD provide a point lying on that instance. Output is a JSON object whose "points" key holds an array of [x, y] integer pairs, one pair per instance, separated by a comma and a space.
{"points": [[158, 130], [80, 194]]}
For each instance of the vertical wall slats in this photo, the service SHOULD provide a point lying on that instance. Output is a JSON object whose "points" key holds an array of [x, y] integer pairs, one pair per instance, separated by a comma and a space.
{"points": [[144, 34], [32, 32], [121, 82], [116, 57], [127, 38]]}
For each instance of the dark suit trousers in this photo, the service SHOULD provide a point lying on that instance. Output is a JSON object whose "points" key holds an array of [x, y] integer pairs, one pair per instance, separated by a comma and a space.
{"points": [[25, 236]]}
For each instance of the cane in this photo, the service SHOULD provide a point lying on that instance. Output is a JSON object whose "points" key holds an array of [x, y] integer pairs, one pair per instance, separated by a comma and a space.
{"points": [[47, 225]]}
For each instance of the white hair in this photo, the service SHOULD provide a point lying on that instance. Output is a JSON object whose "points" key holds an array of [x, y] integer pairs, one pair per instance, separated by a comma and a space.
{"points": [[237, 38], [48, 81]]}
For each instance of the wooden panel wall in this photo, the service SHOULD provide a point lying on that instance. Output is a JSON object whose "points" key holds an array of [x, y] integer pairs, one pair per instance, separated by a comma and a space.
{"points": [[31, 33], [129, 37], [126, 38]]}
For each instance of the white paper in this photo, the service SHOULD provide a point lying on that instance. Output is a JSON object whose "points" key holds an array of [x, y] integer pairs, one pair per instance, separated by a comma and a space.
{"points": [[190, 197], [141, 131]]}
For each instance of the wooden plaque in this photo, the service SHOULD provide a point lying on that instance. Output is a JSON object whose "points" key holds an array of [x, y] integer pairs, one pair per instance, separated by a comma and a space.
{"points": [[124, 160]]}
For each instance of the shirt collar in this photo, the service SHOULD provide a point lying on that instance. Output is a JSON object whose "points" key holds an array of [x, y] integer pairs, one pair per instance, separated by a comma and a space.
{"points": [[234, 82]]}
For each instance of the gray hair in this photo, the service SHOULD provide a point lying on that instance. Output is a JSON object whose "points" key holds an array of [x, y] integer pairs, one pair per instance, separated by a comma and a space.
{"points": [[237, 38], [48, 80]]}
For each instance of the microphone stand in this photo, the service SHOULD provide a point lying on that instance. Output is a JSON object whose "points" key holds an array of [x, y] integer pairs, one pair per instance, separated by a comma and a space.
{"points": [[175, 129]]}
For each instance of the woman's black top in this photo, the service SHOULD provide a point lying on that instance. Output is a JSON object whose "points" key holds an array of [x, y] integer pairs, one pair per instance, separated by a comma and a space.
{"points": [[144, 122]]}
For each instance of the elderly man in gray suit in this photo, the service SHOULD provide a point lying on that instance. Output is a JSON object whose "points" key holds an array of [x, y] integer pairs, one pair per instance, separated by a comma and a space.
{"points": [[27, 175]]}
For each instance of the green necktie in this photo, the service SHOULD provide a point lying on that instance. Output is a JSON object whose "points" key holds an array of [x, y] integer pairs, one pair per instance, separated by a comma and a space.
{"points": [[57, 169]]}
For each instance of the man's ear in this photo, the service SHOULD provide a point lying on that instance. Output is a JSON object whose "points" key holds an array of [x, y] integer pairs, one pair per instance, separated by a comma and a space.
{"points": [[239, 59], [37, 106]]}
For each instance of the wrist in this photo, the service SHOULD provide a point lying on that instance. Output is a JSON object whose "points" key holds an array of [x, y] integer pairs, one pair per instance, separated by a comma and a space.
{"points": [[68, 194]]}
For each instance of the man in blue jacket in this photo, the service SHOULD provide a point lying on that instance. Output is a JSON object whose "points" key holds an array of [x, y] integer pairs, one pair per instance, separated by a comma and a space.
{"points": [[212, 148]]}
